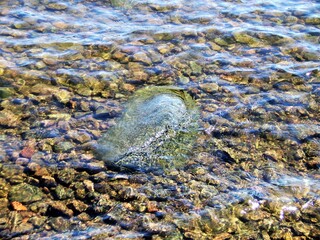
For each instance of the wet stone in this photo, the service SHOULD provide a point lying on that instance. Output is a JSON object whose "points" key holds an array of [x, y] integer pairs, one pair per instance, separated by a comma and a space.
{"points": [[38, 221], [63, 96], [153, 117], [56, 6], [25, 193], [39, 207], [141, 57], [78, 206], [61, 193], [59, 224], [4, 203], [63, 147], [66, 176], [22, 228], [245, 38], [59, 208], [6, 92], [196, 68], [9, 119], [315, 20], [48, 181], [80, 137]]}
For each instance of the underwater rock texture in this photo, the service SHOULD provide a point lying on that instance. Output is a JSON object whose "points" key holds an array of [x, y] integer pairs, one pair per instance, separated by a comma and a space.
{"points": [[154, 131]]}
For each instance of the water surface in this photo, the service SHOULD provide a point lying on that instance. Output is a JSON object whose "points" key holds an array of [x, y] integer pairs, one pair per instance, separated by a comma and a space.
{"points": [[67, 68]]}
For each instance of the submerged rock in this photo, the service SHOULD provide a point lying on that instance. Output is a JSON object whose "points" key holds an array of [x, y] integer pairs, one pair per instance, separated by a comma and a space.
{"points": [[25, 193], [156, 130]]}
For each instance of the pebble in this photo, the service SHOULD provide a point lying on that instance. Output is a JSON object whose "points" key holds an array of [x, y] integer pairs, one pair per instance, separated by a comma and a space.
{"points": [[59, 224], [59, 208], [141, 57], [17, 206], [62, 193], [6, 92], [63, 147], [9, 119], [56, 6], [25, 193]]}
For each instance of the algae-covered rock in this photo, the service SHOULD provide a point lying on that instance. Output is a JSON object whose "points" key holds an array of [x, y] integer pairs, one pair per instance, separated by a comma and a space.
{"points": [[25, 193], [156, 130]]}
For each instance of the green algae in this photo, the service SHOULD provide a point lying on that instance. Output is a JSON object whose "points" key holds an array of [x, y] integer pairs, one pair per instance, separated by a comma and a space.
{"points": [[157, 130]]}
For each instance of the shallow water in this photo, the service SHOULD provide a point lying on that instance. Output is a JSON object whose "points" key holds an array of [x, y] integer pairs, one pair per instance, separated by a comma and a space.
{"points": [[67, 68]]}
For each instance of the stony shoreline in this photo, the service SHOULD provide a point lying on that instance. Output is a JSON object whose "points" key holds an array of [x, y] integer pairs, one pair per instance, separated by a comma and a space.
{"points": [[254, 172]]}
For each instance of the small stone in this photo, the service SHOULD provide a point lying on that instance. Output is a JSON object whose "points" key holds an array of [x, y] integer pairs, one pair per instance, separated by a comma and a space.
{"points": [[84, 91], [40, 65], [209, 87], [39, 207], [315, 20], [43, 89], [6, 92], [80, 137], [22, 161], [163, 49], [61, 193], [140, 75], [3, 204], [183, 79], [120, 56], [48, 181], [32, 166], [60, 116], [59, 224], [8, 119], [25, 193], [221, 42], [40, 172], [128, 87], [152, 207], [27, 152], [89, 185], [141, 57], [50, 61], [128, 193], [59, 208], [84, 217], [60, 25], [63, 147], [56, 6], [78, 206], [66, 176], [17, 206], [22, 228], [245, 38], [63, 96], [196, 68], [38, 221]]}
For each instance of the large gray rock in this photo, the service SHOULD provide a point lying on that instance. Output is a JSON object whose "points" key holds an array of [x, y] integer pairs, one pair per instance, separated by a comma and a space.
{"points": [[154, 131]]}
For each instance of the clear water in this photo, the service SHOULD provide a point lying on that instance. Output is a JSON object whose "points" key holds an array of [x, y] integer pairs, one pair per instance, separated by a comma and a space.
{"points": [[252, 66]]}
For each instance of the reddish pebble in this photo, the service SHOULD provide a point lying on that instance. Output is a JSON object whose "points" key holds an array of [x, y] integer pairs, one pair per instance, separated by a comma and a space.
{"points": [[27, 152], [17, 206]]}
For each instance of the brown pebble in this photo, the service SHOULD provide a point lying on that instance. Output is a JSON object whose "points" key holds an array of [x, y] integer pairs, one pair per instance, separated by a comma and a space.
{"points": [[41, 172], [128, 87], [27, 152], [17, 206], [152, 206], [60, 25]]}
